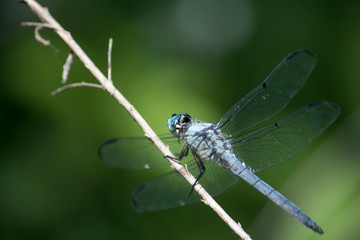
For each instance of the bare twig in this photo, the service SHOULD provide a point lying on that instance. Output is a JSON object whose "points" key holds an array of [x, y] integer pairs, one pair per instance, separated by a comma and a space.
{"points": [[81, 84], [46, 18], [38, 27], [37, 24], [67, 66], [109, 59], [40, 38]]}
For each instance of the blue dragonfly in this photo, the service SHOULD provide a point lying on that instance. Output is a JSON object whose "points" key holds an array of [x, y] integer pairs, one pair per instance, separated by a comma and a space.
{"points": [[234, 147]]}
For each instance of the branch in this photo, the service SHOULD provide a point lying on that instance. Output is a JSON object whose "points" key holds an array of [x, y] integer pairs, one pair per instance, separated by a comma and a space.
{"points": [[38, 27], [82, 84], [107, 84], [66, 67], [109, 59]]}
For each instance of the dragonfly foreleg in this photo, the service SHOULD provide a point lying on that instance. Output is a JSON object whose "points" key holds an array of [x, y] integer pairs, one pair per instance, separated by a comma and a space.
{"points": [[184, 152], [202, 171]]}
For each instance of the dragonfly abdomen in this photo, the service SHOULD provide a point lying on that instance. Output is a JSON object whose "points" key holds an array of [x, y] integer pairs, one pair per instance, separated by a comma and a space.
{"points": [[207, 142], [240, 170]]}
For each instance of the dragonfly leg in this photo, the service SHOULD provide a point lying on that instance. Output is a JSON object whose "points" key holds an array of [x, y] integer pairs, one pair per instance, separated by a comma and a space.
{"points": [[184, 152], [202, 171]]}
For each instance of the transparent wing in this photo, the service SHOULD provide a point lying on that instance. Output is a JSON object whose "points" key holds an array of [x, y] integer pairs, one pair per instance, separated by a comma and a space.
{"points": [[279, 141], [271, 96], [136, 153], [171, 190]]}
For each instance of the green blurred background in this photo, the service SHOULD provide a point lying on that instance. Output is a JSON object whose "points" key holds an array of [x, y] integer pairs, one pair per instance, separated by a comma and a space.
{"points": [[198, 56]]}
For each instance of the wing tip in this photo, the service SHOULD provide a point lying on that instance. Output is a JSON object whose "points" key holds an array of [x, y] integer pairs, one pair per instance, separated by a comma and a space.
{"points": [[333, 105], [134, 203], [100, 149], [299, 51]]}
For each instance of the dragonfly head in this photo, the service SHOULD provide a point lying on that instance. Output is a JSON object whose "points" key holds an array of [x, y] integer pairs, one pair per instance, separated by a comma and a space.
{"points": [[178, 123]]}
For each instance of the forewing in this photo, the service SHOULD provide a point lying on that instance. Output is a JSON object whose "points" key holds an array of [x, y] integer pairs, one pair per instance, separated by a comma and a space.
{"points": [[271, 96], [171, 190], [136, 153], [279, 141]]}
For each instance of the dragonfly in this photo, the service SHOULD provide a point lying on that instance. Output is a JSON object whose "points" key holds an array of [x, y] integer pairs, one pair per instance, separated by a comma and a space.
{"points": [[246, 140]]}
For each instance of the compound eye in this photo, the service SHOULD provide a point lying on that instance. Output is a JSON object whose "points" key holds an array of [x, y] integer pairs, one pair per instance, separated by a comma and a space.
{"points": [[173, 115], [186, 118]]}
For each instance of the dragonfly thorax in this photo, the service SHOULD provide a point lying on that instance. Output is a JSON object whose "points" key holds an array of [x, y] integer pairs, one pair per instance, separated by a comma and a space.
{"points": [[206, 141]]}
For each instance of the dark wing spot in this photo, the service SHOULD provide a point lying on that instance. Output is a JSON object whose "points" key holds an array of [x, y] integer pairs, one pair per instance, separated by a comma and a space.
{"points": [[293, 54], [325, 103], [136, 191], [275, 124], [264, 85], [314, 104], [134, 203], [105, 143], [110, 141]]}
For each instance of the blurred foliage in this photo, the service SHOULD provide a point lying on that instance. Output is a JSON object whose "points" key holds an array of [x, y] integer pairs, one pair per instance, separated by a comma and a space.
{"points": [[196, 56]]}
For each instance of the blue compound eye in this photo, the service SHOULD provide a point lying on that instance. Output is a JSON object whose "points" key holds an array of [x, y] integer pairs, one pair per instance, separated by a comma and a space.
{"points": [[176, 122], [185, 118], [172, 122]]}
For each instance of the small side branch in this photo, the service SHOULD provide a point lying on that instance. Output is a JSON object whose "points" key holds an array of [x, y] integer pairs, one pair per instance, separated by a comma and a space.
{"points": [[109, 59], [81, 84], [37, 24], [38, 27], [66, 67]]}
